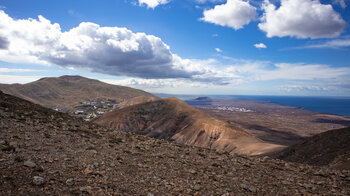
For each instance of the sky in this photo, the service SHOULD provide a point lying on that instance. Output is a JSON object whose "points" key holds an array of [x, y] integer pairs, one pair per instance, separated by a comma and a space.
{"points": [[228, 47]]}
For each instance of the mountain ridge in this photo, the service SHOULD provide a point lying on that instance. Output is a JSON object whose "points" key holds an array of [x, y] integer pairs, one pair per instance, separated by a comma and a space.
{"points": [[173, 119], [68, 91]]}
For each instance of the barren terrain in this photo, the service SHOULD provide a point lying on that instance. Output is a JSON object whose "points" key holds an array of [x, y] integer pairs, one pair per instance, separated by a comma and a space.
{"points": [[274, 123], [173, 119], [44, 152]]}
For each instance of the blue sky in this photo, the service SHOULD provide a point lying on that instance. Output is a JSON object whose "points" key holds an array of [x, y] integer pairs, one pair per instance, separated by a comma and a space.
{"points": [[288, 47]]}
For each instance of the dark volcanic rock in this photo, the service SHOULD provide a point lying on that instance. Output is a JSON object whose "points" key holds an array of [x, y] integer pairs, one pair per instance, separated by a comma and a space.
{"points": [[330, 148]]}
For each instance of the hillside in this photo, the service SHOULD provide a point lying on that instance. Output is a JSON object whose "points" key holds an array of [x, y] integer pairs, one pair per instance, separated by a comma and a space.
{"points": [[330, 148], [44, 152], [172, 119], [70, 91]]}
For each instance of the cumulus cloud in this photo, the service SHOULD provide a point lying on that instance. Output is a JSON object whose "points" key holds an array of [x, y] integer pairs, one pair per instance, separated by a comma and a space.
{"points": [[218, 50], [234, 14], [144, 59], [153, 3], [260, 45], [4, 43], [301, 19], [108, 50]]}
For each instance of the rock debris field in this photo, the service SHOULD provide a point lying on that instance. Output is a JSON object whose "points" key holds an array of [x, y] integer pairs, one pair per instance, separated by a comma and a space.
{"points": [[44, 152]]}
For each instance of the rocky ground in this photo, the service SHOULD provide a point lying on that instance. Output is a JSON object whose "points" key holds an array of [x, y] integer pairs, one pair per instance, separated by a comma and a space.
{"points": [[44, 152], [329, 148]]}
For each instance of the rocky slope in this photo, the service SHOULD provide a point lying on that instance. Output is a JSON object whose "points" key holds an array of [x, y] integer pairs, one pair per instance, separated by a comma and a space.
{"points": [[43, 152], [331, 148], [69, 91], [173, 119]]}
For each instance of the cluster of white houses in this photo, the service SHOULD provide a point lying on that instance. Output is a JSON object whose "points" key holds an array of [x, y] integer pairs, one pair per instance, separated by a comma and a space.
{"points": [[233, 109]]}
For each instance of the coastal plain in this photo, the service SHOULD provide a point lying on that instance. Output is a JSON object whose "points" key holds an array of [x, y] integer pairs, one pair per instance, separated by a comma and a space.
{"points": [[273, 123]]}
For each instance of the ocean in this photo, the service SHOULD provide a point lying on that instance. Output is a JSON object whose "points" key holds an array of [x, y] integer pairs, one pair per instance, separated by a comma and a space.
{"points": [[331, 105]]}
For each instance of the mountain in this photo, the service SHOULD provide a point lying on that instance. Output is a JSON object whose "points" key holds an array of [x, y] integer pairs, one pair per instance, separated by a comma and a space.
{"points": [[172, 119], [200, 101], [330, 148], [44, 152], [70, 91]]}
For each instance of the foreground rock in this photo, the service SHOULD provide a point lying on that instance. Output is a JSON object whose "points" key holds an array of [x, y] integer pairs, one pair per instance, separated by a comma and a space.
{"points": [[83, 158], [331, 148]]}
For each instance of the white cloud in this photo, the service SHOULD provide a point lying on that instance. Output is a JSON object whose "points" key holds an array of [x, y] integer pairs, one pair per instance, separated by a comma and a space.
{"points": [[301, 19], [244, 72], [153, 3], [234, 14], [156, 83], [334, 44], [304, 87], [260, 45], [11, 79], [145, 59], [341, 3], [218, 50], [215, 35], [287, 71], [108, 50]]}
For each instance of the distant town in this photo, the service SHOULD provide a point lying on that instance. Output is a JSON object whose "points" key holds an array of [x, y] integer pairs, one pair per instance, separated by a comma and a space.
{"points": [[232, 109], [89, 110]]}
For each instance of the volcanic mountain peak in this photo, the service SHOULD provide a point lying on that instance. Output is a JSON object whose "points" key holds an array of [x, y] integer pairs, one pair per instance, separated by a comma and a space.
{"points": [[172, 119]]}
